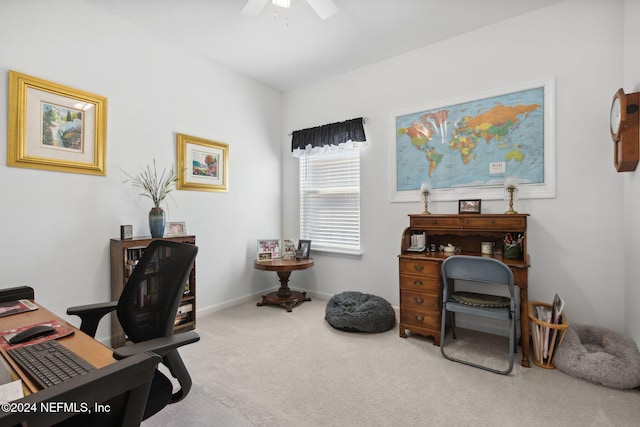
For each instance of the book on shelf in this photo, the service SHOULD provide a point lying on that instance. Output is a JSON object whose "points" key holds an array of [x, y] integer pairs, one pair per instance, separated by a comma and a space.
{"points": [[184, 314]]}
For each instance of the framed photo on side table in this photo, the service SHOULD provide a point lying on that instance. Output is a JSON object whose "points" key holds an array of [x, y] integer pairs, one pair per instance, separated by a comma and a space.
{"points": [[304, 247], [55, 127], [269, 246], [288, 248]]}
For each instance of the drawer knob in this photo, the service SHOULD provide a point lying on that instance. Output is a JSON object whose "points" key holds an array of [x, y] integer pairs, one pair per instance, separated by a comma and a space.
{"points": [[418, 300], [419, 318], [418, 267], [418, 282]]}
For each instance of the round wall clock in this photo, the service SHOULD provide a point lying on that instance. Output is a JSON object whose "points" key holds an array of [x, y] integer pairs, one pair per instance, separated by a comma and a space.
{"points": [[625, 130]]}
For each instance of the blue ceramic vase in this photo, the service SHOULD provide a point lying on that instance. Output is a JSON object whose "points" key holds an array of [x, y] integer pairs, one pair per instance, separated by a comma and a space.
{"points": [[156, 222]]}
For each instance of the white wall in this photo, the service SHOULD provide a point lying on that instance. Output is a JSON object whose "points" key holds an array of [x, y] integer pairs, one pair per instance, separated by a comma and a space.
{"points": [[574, 239], [631, 193], [55, 227]]}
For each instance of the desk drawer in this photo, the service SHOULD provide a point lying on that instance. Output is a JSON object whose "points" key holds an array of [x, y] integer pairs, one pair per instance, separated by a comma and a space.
{"points": [[432, 221], [418, 301], [427, 268], [423, 319], [420, 283], [504, 222]]}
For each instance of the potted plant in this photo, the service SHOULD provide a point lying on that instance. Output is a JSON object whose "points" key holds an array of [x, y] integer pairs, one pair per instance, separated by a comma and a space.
{"points": [[156, 188]]}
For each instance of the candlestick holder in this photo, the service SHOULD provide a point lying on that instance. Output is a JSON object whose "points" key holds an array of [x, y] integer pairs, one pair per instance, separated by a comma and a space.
{"points": [[425, 194], [511, 190]]}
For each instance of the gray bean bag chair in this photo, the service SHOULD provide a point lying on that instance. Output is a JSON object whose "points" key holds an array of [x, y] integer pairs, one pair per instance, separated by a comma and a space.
{"points": [[599, 355], [358, 312]]}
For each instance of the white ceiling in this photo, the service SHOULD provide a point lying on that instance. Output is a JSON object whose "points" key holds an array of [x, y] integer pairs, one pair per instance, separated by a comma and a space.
{"points": [[289, 48]]}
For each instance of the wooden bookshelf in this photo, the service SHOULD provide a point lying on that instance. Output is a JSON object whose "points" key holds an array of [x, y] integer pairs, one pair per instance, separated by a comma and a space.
{"points": [[123, 254]]}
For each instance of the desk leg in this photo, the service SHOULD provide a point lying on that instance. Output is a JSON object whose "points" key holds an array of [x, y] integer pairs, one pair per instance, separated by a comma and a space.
{"points": [[524, 326], [284, 296]]}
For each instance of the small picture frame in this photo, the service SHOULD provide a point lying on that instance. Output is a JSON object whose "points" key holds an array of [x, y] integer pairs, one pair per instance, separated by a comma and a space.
{"points": [[269, 245], [304, 247], [469, 206], [264, 256], [175, 229], [288, 249], [126, 232]]}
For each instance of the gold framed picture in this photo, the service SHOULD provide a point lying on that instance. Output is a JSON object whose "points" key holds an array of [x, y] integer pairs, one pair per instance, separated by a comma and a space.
{"points": [[55, 127], [202, 164]]}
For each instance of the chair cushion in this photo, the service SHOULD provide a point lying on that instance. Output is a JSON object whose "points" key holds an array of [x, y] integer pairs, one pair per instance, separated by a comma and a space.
{"points": [[600, 356], [358, 312], [480, 300]]}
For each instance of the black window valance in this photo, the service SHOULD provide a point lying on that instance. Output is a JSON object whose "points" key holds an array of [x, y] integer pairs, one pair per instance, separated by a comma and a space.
{"points": [[331, 134]]}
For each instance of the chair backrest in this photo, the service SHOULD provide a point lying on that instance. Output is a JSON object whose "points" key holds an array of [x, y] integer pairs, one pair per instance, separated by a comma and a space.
{"points": [[149, 301], [476, 269], [119, 391]]}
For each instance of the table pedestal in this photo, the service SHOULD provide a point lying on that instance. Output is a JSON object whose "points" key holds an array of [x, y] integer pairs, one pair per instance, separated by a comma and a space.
{"points": [[284, 296]]}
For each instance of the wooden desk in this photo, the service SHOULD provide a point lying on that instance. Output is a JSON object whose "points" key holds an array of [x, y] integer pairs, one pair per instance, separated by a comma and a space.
{"points": [[283, 267], [420, 275], [94, 352]]}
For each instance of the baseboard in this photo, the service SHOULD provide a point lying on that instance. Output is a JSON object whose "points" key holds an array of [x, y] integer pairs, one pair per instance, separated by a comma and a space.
{"points": [[230, 303]]}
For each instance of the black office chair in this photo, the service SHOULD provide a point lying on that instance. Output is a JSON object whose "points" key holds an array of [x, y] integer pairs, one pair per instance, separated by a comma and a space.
{"points": [[478, 270], [147, 311], [118, 391]]}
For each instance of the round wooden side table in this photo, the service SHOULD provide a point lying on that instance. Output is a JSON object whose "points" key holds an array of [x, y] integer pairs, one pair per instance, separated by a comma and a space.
{"points": [[283, 267]]}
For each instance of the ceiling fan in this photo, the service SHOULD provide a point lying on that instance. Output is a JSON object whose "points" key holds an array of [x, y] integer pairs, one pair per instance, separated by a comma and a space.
{"points": [[324, 8]]}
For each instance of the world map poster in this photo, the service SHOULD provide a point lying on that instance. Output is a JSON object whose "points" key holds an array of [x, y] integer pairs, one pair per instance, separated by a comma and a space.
{"points": [[480, 143]]}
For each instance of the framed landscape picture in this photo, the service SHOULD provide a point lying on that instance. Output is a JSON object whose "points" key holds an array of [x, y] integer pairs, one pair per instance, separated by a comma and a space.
{"points": [[55, 127], [202, 164]]}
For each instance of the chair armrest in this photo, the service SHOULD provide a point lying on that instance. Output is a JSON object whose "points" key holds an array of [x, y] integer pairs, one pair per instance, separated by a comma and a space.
{"points": [[91, 314], [160, 346]]}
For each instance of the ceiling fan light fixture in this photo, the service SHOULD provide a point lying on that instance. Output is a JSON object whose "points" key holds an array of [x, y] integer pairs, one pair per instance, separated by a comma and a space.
{"points": [[282, 3]]}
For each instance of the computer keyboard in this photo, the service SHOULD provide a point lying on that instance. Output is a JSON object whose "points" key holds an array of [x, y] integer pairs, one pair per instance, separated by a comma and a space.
{"points": [[49, 363]]}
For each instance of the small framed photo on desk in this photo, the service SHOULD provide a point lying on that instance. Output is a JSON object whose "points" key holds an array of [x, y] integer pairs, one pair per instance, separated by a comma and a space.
{"points": [[469, 206]]}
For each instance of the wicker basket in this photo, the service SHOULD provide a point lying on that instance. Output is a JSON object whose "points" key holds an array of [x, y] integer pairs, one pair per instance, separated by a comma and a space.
{"points": [[542, 332]]}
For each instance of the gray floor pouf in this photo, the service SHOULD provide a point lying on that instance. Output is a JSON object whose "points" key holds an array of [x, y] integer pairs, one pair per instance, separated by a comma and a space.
{"points": [[599, 355], [358, 312]]}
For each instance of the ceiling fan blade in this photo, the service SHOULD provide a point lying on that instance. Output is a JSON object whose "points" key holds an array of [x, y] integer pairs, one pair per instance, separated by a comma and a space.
{"points": [[253, 7], [324, 8]]}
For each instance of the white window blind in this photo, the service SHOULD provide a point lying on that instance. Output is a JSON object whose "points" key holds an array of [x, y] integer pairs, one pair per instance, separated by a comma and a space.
{"points": [[330, 201]]}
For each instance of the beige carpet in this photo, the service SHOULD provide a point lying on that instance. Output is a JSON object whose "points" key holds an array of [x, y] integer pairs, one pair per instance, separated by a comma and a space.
{"points": [[263, 366]]}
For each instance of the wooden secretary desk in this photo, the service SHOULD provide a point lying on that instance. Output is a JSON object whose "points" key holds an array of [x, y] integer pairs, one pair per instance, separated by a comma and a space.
{"points": [[420, 272]]}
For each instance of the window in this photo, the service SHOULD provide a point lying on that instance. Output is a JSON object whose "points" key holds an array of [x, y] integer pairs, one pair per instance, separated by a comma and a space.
{"points": [[330, 201]]}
